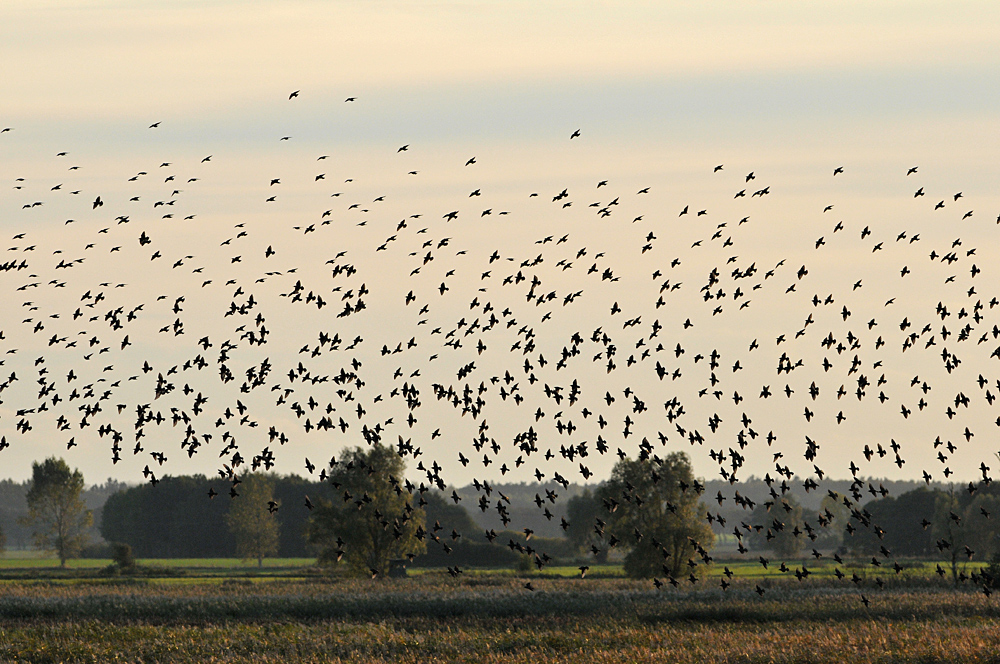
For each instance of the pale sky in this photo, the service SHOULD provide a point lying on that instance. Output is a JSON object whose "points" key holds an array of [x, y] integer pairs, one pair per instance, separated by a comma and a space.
{"points": [[661, 92]]}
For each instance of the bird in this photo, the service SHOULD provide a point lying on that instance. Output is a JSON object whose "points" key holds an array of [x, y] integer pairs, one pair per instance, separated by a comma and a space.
{"points": [[493, 367]]}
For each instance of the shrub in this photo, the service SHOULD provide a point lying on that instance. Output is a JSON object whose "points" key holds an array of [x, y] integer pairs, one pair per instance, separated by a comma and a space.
{"points": [[121, 553]]}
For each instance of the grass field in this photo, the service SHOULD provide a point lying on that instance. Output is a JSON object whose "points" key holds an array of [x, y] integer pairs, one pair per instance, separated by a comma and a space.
{"points": [[490, 618], [19, 559], [166, 570], [20, 565], [223, 610]]}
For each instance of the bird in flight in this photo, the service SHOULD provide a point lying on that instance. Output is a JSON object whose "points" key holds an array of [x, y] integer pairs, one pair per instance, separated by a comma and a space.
{"points": [[511, 336]]}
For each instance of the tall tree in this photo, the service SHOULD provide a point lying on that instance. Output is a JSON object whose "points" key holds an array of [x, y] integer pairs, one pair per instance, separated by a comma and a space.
{"points": [[176, 519], [896, 523], [448, 516], [56, 509], [948, 526], [372, 519], [964, 525], [173, 519], [582, 512], [778, 526], [653, 507], [252, 518], [984, 532]]}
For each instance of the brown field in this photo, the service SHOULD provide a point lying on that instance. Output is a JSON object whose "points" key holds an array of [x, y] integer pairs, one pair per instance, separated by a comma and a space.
{"points": [[433, 618]]}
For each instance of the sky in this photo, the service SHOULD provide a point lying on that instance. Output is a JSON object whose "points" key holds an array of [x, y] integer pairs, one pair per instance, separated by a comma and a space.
{"points": [[661, 92]]}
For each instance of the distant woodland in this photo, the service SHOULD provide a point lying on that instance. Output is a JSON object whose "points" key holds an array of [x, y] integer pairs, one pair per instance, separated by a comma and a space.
{"points": [[176, 519]]}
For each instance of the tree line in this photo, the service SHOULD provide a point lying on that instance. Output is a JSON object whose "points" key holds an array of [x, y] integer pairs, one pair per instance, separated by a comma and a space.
{"points": [[365, 514], [653, 514], [176, 519]]}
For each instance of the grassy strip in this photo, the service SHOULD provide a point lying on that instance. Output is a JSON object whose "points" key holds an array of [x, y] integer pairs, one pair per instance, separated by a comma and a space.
{"points": [[485, 597], [485, 618], [22, 561], [549, 639]]}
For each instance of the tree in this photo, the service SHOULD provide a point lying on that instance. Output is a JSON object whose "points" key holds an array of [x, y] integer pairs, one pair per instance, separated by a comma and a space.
{"points": [[581, 512], [252, 518], [984, 531], [122, 556], [373, 519], [448, 515], [963, 525], [176, 519], [949, 528], [173, 519], [56, 509], [896, 523], [653, 509], [458, 539], [778, 526]]}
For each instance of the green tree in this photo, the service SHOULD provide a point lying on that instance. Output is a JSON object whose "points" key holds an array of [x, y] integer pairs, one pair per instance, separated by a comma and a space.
{"points": [[582, 511], [373, 519], [896, 522], [778, 526], [833, 516], [449, 516], [964, 524], [653, 509], [177, 519], [173, 519], [252, 518], [984, 531], [56, 509], [950, 528]]}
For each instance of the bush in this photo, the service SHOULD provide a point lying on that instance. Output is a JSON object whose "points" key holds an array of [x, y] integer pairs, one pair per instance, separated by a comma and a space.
{"points": [[121, 553], [110, 570]]}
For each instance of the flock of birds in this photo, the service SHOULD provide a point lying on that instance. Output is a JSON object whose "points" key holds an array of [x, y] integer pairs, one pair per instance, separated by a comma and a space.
{"points": [[129, 326]]}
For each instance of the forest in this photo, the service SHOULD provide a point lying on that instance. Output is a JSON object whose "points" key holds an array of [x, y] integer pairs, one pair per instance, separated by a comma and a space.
{"points": [[175, 519]]}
